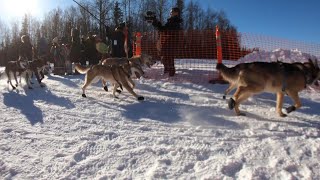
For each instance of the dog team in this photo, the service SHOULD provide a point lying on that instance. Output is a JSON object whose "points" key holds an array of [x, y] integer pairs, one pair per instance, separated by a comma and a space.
{"points": [[247, 78]]}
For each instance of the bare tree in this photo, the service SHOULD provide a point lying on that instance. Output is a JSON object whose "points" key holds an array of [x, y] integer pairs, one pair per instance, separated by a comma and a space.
{"points": [[2, 30], [180, 5], [85, 19], [189, 16], [71, 17], [103, 10]]}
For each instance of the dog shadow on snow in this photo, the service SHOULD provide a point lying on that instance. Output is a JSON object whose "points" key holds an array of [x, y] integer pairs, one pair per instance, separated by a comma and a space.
{"points": [[309, 108], [67, 80], [26, 103], [170, 111]]}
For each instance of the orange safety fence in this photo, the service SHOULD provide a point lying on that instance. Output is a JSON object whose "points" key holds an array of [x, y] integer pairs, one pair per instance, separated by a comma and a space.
{"points": [[195, 51]]}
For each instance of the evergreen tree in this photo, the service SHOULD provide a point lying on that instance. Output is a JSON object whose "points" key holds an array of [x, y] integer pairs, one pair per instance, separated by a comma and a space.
{"points": [[117, 14], [180, 5], [25, 26]]}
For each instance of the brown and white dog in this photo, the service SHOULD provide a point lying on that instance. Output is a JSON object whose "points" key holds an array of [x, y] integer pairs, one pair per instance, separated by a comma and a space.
{"points": [[132, 67], [280, 78], [116, 75], [143, 60]]}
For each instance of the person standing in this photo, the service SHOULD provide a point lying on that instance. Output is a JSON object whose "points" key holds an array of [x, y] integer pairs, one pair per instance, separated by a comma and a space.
{"points": [[58, 52], [169, 39], [90, 50], [75, 51], [119, 43], [25, 48]]}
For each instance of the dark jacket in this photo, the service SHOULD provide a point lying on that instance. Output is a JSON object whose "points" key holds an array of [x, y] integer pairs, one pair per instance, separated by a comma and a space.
{"points": [[169, 36], [90, 51], [173, 23], [118, 44], [43, 47], [75, 52], [25, 51]]}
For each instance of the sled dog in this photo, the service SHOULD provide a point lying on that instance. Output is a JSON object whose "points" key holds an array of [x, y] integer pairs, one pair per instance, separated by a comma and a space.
{"points": [[116, 75], [143, 60], [306, 67], [274, 77], [129, 68], [132, 68], [17, 67], [37, 66]]}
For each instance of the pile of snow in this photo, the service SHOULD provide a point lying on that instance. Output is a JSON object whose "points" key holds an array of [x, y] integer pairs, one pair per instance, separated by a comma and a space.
{"points": [[180, 131], [288, 56]]}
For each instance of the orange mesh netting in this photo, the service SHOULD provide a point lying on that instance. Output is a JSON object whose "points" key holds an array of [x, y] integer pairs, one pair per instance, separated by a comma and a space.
{"points": [[195, 52]]}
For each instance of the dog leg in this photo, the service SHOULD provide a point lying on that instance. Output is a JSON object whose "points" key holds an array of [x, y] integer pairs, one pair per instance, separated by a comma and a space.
{"points": [[13, 87], [27, 79], [20, 74], [244, 93], [9, 80], [230, 88], [15, 77], [41, 72], [280, 96], [88, 80], [117, 90], [131, 82], [241, 98], [38, 78], [130, 90], [296, 99], [104, 85], [232, 102], [115, 86], [124, 83]]}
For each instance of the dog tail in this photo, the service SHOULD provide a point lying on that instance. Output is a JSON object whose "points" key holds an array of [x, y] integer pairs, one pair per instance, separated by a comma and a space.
{"points": [[81, 69], [229, 74], [221, 66]]}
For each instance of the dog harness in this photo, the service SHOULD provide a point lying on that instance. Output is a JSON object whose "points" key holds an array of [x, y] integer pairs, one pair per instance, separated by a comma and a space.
{"points": [[284, 72]]}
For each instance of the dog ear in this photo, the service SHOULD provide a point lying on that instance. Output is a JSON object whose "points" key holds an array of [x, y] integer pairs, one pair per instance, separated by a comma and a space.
{"points": [[311, 63], [316, 63]]}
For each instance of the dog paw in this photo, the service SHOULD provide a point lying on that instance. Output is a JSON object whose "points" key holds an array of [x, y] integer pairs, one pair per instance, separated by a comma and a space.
{"points": [[241, 114], [290, 109], [84, 95], [231, 103], [105, 88], [283, 115], [140, 98]]}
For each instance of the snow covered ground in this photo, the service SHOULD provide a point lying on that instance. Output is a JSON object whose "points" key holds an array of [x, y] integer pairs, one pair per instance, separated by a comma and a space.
{"points": [[180, 131]]}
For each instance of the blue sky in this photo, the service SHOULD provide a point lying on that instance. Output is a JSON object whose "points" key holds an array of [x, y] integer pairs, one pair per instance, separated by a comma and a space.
{"points": [[289, 19]]}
